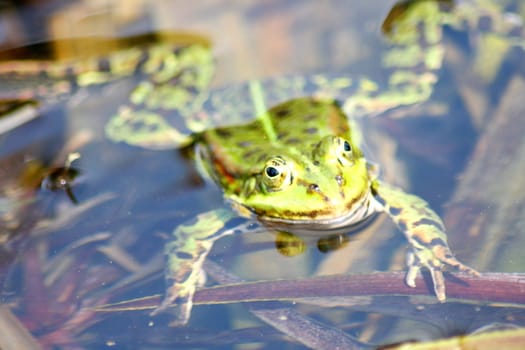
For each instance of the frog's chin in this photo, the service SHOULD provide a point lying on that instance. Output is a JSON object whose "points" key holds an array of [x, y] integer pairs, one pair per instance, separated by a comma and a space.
{"points": [[349, 221]]}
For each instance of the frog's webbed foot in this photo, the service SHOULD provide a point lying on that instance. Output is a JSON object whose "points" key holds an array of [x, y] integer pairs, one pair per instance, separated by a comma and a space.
{"points": [[436, 259], [185, 255], [184, 258], [179, 298], [425, 233]]}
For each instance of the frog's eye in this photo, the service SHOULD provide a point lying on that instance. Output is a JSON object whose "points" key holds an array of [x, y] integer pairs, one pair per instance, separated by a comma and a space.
{"points": [[276, 175], [334, 149], [272, 172], [347, 147], [343, 151]]}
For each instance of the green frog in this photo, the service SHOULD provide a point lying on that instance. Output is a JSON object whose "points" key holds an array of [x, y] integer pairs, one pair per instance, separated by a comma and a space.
{"points": [[296, 167]]}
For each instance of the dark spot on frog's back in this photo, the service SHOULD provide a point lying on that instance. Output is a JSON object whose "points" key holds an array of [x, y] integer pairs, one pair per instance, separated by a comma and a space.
{"points": [[282, 135], [253, 126], [244, 144], [250, 153], [310, 130], [314, 103], [223, 132], [309, 117], [292, 141], [282, 112]]}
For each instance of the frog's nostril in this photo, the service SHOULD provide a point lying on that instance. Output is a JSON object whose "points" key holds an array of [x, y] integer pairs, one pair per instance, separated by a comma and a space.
{"points": [[313, 188]]}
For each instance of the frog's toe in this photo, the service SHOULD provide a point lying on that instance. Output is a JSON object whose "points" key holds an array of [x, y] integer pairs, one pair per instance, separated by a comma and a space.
{"points": [[413, 270], [439, 284], [444, 256], [410, 278], [453, 262], [469, 270]]}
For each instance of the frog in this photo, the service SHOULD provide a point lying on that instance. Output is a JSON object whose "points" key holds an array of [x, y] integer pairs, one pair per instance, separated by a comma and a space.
{"points": [[298, 166]]}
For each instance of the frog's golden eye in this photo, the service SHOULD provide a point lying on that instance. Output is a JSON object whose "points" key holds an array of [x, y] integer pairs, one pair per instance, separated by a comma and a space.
{"points": [[276, 175]]}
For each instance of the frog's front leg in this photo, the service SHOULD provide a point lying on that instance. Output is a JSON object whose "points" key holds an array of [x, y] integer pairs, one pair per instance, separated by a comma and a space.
{"points": [[185, 254], [425, 233]]}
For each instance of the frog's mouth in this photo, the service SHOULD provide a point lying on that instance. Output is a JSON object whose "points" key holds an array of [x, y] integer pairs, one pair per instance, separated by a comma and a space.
{"points": [[353, 219]]}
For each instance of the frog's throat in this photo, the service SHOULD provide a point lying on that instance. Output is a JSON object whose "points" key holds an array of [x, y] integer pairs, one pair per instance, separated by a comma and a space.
{"points": [[357, 215]]}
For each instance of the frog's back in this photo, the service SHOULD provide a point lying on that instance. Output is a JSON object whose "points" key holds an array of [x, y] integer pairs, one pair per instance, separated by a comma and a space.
{"points": [[296, 127]]}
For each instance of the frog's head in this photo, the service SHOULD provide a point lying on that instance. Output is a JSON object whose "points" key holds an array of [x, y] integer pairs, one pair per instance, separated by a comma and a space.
{"points": [[322, 186]]}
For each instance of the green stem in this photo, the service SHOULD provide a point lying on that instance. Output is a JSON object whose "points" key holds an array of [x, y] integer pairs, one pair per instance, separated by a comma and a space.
{"points": [[257, 94]]}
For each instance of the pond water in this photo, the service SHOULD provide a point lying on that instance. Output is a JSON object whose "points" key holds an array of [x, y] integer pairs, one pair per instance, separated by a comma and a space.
{"points": [[80, 233]]}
